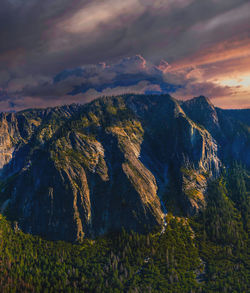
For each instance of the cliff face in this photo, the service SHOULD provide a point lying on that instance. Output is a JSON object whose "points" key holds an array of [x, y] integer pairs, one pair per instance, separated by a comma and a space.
{"points": [[81, 171], [230, 128], [9, 136]]}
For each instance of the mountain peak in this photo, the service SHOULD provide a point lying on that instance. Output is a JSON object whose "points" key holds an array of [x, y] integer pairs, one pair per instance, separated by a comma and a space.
{"points": [[201, 110], [200, 100]]}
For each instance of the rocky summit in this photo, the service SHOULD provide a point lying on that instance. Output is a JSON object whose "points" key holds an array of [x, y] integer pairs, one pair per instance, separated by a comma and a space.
{"points": [[118, 162]]}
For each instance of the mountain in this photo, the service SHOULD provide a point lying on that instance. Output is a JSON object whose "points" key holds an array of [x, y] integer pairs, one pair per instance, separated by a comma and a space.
{"points": [[118, 162]]}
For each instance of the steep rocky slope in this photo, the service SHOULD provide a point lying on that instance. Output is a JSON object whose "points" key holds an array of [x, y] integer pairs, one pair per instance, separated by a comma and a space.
{"points": [[230, 128], [81, 171]]}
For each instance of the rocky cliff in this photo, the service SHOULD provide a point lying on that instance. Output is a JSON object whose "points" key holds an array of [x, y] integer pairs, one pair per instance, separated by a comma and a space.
{"points": [[82, 171]]}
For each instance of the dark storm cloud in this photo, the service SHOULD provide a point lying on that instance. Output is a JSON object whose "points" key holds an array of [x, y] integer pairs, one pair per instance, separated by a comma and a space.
{"points": [[25, 26], [51, 34], [40, 38]]}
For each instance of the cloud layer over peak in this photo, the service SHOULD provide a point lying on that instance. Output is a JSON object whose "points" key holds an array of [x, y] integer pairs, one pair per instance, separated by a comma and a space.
{"points": [[128, 75]]}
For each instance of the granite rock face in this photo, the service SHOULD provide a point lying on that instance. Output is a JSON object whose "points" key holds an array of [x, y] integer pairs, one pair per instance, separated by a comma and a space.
{"points": [[82, 171], [9, 134]]}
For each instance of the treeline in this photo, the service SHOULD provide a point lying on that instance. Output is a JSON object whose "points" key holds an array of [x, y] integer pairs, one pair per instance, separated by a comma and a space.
{"points": [[127, 262]]}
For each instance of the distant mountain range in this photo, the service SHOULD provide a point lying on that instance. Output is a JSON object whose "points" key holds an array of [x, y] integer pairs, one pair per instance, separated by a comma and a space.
{"points": [[85, 170]]}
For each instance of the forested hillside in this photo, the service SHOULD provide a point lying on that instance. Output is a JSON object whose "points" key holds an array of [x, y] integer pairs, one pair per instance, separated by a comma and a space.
{"points": [[206, 253]]}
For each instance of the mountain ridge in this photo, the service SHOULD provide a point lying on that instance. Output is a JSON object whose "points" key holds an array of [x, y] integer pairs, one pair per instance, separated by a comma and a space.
{"points": [[84, 170]]}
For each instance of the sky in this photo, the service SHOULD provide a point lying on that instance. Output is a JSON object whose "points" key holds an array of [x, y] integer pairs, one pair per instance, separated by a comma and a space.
{"points": [[73, 51]]}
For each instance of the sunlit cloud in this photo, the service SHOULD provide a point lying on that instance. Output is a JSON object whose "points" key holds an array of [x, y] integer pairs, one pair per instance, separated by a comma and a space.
{"points": [[243, 80], [101, 13]]}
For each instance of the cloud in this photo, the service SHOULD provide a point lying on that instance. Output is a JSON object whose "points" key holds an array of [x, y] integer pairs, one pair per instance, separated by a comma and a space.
{"points": [[128, 75], [125, 75], [98, 14], [48, 36], [201, 41]]}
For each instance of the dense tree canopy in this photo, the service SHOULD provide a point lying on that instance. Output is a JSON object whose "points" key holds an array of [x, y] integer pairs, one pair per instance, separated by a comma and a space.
{"points": [[207, 253]]}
